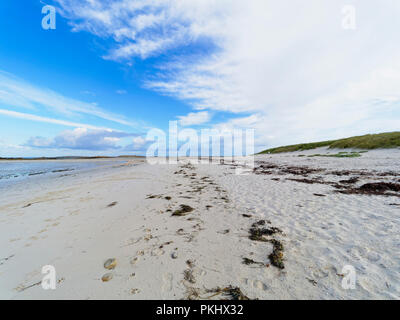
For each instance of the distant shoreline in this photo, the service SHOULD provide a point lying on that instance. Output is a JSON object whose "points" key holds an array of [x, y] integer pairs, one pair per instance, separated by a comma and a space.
{"points": [[67, 158]]}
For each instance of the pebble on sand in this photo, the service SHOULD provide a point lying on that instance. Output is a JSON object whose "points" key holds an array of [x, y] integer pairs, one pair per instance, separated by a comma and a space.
{"points": [[107, 277], [110, 264], [174, 255]]}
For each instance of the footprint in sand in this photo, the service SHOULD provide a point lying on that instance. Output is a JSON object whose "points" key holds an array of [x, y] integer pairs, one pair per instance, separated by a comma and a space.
{"points": [[257, 284], [167, 282]]}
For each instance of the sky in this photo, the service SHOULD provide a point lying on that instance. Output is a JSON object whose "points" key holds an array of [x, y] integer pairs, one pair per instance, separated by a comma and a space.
{"points": [[294, 71]]}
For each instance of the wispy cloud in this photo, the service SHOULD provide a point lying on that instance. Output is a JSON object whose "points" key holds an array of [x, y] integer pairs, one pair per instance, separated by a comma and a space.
{"points": [[288, 63], [32, 117], [15, 92]]}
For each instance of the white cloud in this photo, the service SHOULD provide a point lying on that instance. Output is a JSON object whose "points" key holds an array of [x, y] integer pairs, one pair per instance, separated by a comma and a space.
{"points": [[15, 92], [121, 92], [194, 118], [288, 63], [33, 117], [139, 144], [139, 141], [81, 139]]}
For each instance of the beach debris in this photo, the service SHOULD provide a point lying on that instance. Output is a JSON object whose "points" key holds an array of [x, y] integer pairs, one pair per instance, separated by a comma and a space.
{"points": [[167, 198], [135, 291], [174, 255], [312, 281], [112, 204], [183, 211], [148, 237], [246, 215], [248, 261], [23, 288], [351, 180], [308, 181], [190, 263], [375, 188], [192, 293], [319, 195], [276, 257], [107, 277], [154, 196], [134, 260], [61, 280], [165, 244], [188, 276], [257, 233], [28, 205], [3, 260], [233, 293], [110, 264]]}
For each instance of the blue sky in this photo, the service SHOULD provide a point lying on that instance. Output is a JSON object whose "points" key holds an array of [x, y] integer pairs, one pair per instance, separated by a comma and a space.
{"points": [[112, 70]]}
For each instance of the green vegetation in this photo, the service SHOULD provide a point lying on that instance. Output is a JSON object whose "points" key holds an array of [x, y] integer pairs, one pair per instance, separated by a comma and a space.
{"points": [[339, 155], [366, 142]]}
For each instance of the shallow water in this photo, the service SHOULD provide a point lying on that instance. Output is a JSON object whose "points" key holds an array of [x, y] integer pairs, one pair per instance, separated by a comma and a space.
{"points": [[13, 171]]}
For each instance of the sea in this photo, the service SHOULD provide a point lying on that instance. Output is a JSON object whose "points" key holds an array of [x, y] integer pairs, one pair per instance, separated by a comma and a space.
{"points": [[14, 171]]}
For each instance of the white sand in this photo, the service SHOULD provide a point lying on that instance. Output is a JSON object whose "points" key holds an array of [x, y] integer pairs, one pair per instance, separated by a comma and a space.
{"points": [[70, 226]]}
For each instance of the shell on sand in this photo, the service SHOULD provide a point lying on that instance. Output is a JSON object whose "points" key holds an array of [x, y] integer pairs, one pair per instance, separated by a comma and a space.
{"points": [[107, 277], [110, 264]]}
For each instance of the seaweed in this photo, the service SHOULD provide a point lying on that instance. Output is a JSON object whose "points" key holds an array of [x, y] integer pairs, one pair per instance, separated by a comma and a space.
{"points": [[351, 180], [190, 263], [248, 261], [153, 196], [233, 293], [112, 204], [276, 257], [257, 233], [188, 276], [376, 188], [183, 211]]}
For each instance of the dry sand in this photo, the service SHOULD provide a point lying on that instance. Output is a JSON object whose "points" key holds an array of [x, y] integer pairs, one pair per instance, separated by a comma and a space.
{"points": [[125, 212]]}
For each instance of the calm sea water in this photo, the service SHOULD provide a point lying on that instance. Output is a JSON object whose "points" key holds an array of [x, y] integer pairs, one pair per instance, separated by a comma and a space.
{"points": [[11, 171]]}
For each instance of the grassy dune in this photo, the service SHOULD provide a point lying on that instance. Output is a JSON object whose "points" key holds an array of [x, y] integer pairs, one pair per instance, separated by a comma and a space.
{"points": [[367, 142]]}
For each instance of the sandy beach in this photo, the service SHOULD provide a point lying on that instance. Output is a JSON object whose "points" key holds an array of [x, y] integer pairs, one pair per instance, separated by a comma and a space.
{"points": [[188, 231]]}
